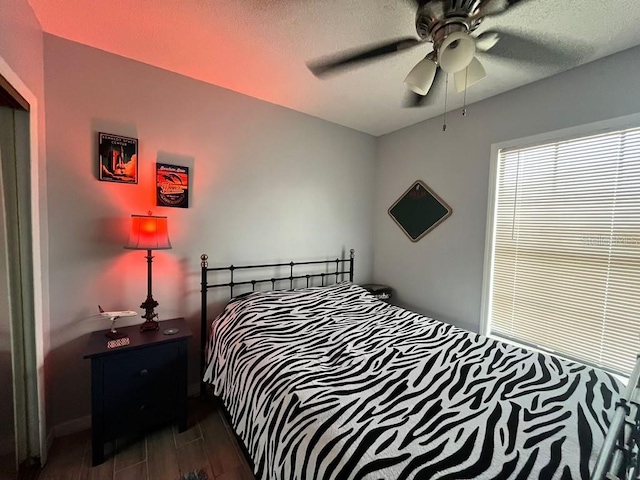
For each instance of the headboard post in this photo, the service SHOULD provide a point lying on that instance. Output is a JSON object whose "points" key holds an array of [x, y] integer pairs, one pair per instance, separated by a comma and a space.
{"points": [[204, 264], [351, 262]]}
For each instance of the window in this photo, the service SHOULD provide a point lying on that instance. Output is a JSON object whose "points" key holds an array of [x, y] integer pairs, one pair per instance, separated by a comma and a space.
{"points": [[565, 252]]}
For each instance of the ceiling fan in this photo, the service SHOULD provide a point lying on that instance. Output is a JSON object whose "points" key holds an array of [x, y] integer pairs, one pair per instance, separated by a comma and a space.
{"points": [[449, 26]]}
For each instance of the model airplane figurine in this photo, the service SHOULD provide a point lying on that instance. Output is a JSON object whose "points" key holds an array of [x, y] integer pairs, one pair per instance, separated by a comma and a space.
{"points": [[114, 316]]}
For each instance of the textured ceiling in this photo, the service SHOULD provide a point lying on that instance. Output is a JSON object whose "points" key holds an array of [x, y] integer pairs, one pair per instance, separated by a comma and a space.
{"points": [[260, 47]]}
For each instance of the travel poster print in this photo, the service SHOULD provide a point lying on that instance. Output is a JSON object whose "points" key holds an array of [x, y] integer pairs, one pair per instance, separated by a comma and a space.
{"points": [[118, 157], [172, 185]]}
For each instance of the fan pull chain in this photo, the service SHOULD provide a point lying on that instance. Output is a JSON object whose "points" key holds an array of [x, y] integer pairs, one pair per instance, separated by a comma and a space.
{"points": [[464, 106], [444, 117]]}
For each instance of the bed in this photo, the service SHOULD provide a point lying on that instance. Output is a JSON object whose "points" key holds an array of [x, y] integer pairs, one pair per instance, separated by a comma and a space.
{"points": [[328, 382]]}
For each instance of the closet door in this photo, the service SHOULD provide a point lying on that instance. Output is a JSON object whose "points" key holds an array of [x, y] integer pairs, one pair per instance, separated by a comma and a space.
{"points": [[19, 415], [8, 459]]}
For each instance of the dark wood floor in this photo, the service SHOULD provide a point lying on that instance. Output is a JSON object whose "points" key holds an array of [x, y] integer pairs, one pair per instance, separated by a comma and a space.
{"points": [[165, 454], [8, 465]]}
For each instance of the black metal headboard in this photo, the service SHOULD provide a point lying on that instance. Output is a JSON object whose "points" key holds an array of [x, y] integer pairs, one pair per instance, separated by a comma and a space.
{"points": [[325, 276]]}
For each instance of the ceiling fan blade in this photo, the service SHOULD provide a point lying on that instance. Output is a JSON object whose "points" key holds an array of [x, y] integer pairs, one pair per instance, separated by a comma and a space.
{"points": [[492, 7], [495, 7], [412, 100], [486, 41], [532, 50], [335, 63]]}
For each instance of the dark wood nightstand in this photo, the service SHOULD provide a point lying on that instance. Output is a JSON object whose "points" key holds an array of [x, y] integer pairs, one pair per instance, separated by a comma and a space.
{"points": [[137, 386], [381, 292]]}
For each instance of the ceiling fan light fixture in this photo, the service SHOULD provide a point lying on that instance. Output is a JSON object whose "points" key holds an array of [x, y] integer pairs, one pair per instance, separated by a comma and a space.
{"points": [[456, 52], [470, 76], [421, 77]]}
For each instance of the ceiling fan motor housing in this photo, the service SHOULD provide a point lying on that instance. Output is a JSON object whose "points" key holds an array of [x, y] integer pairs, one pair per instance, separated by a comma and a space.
{"points": [[435, 19], [448, 24]]}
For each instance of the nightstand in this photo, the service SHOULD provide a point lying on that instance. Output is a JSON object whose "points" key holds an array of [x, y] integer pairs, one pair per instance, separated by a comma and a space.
{"points": [[138, 386], [381, 292]]}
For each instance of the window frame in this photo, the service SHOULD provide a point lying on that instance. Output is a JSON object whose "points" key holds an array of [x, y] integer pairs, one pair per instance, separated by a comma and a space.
{"points": [[596, 128]]}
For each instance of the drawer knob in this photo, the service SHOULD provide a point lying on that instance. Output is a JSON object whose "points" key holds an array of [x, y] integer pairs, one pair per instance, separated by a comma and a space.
{"points": [[143, 372], [142, 407]]}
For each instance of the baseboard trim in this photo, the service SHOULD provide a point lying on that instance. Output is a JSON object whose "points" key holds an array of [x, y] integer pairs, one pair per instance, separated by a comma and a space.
{"points": [[50, 438], [72, 426]]}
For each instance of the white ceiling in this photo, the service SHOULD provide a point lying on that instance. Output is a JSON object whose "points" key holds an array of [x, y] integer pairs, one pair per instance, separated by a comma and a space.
{"points": [[260, 47]]}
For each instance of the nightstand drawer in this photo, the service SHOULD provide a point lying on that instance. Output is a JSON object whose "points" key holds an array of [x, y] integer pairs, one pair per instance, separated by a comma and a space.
{"points": [[139, 415], [140, 376]]}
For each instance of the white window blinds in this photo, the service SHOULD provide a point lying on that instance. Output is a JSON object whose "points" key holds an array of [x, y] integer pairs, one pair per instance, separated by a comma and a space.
{"points": [[566, 252]]}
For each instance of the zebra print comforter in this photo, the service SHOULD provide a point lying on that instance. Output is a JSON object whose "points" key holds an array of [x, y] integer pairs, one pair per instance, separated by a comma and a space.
{"points": [[330, 383]]}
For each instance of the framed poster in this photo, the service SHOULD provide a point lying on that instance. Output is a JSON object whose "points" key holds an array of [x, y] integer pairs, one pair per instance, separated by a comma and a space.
{"points": [[419, 210], [118, 157], [172, 185]]}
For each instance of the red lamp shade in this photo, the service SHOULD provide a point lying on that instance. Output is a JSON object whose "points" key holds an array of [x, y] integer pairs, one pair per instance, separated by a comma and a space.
{"points": [[148, 232]]}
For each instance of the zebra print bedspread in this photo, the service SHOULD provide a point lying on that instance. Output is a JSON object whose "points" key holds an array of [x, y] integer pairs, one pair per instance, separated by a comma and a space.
{"points": [[330, 383]]}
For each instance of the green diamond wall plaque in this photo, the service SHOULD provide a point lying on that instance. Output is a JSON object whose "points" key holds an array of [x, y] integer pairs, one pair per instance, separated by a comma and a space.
{"points": [[419, 210]]}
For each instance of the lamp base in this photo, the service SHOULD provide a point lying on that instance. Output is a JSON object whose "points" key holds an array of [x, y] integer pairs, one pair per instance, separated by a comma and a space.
{"points": [[149, 325]]}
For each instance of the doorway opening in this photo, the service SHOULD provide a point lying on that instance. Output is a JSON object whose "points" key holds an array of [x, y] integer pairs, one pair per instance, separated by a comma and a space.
{"points": [[19, 412]]}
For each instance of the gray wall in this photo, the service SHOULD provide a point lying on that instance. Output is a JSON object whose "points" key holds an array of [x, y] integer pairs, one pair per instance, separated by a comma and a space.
{"points": [[21, 43], [268, 184], [442, 274]]}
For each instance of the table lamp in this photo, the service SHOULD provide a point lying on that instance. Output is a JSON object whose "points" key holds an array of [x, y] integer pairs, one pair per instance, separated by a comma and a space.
{"points": [[148, 233]]}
